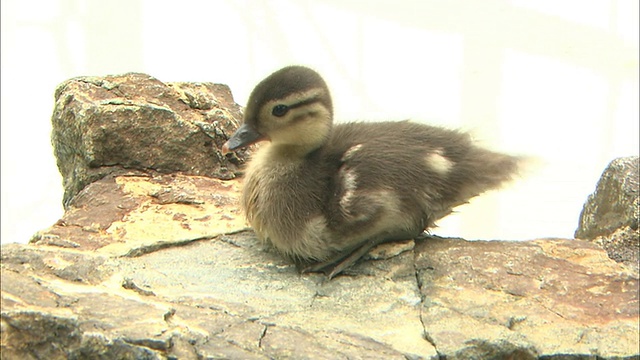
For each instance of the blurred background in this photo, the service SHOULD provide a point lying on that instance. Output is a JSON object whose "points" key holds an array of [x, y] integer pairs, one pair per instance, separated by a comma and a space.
{"points": [[554, 79]]}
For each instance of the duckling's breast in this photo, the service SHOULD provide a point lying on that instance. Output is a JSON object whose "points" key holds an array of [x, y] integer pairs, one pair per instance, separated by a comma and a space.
{"points": [[283, 202]]}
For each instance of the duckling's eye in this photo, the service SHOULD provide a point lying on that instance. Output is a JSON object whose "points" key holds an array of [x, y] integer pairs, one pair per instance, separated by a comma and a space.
{"points": [[280, 110]]}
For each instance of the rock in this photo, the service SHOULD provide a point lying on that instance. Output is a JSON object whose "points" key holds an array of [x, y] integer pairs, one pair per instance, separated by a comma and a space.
{"points": [[153, 260], [526, 300], [102, 125], [134, 213], [229, 297], [614, 204], [610, 216]]}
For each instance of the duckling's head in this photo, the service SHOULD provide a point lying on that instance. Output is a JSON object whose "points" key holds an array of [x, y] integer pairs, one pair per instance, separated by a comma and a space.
{"points": [[291, 108]]}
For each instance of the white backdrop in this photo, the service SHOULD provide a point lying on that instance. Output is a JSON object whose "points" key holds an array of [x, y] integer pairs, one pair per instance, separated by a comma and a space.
{"points": [[553, 79]]}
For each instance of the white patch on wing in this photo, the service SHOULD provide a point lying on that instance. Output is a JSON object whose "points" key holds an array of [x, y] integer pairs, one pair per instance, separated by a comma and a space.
{"points": [[349, 153], [349, 184], [438, 162]]}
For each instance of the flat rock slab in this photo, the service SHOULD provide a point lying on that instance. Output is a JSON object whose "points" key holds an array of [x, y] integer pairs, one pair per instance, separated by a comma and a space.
{"points": [[226, 296]]}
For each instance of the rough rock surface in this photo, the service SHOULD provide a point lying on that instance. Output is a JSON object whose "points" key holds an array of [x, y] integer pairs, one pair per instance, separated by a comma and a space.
{"points": [[163, 267], [102, 125], [611, 215], [153, 260]]}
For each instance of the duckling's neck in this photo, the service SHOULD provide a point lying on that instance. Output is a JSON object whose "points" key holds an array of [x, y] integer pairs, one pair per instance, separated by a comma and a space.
{"points": [[288, 152]]}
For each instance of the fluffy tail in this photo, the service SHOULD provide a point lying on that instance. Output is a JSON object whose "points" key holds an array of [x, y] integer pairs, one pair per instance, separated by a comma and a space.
{"points": [[481, 170]]}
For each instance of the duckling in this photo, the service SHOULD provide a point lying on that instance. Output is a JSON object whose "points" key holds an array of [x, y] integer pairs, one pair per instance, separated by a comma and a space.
{"points": [[325, 194]]}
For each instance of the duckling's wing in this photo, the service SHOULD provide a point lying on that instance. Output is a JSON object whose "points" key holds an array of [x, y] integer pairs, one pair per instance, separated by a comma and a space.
{"points": [[428, 168], [393, 180], [373, 187], [395, 165]]}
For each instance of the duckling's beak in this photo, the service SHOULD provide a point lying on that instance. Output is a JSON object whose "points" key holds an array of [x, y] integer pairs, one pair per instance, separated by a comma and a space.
{"points": [[244, 136]]}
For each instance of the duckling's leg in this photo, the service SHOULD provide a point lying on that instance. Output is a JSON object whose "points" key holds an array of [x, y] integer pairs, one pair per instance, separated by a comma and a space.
{"points": [[347, 258], [339, 263]]}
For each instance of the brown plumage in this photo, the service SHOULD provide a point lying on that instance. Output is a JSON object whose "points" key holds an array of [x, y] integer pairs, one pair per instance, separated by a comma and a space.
{"points": [[326, 194]]}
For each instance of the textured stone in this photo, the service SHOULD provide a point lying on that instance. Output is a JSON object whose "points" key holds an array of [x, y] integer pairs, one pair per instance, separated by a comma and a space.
{"points": [[614, 204], [526, 299], [611, 214], [104, 125], [137, 212]]}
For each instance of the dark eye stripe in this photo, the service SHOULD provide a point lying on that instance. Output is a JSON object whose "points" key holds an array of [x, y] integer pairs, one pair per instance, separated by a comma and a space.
{"points": [[305, 102], [281, 110]]}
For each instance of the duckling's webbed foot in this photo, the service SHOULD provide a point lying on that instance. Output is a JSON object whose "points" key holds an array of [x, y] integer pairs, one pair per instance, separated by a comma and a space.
{"points": [[340, 262]]}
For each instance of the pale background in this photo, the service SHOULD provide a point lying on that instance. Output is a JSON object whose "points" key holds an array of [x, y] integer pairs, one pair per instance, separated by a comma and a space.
{"points": [[554, 79]]}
